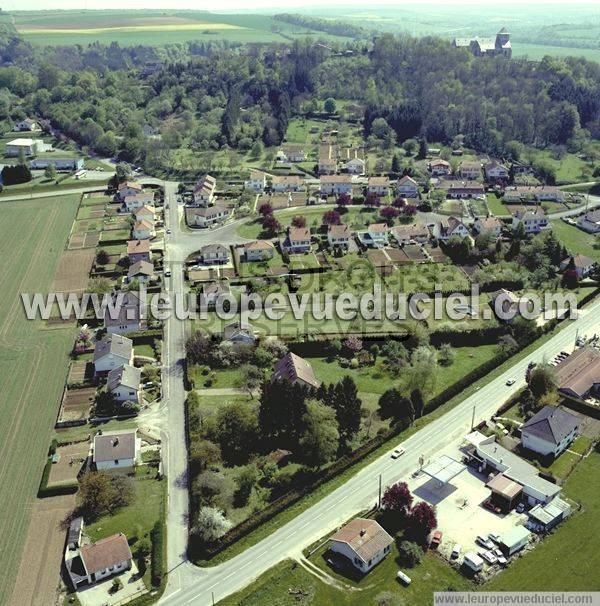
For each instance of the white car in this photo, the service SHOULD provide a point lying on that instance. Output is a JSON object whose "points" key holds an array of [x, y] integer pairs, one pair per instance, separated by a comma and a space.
{"points": [[484, 542], [167, 273], [403, 577], [502, 561], [489, 557], [510, 382], [398, 452], [494, 537], [456, 552]]}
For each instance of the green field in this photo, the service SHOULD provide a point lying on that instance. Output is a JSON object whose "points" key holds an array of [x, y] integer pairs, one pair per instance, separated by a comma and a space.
{"points": [[147, 27], [576, 240], [33, 362], [538, 51]]}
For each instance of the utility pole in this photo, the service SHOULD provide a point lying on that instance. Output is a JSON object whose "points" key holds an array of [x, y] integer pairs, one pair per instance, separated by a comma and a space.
{"points": [[473, 419], [213, 598], [379, 500]]}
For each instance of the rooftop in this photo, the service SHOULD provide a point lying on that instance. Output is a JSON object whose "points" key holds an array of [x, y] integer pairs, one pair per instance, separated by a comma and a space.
{"points": [[579, 372], [115, 446], [365, 537], [551, 424], [105, 553]]}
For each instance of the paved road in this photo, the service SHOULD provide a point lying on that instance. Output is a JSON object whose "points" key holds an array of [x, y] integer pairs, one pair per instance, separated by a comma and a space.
{"points": [[191, 585]]}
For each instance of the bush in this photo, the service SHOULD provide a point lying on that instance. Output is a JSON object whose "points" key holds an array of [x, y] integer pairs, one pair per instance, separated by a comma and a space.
{"points": [[411, 554]]}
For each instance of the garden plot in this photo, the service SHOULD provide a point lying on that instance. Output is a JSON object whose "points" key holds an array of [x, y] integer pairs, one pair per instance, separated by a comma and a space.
{"points": [[79, 371], [76, 405], [277, 201], [73, 271], [297, 199], [71, 459]]}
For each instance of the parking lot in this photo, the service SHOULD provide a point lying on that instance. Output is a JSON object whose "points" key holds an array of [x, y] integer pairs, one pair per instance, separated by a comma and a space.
{"points": [[460, 511]]}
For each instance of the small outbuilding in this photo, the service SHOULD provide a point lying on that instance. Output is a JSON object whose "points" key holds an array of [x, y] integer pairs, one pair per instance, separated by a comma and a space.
{"points": [[506, 493], [545, 517], [514, 540]]}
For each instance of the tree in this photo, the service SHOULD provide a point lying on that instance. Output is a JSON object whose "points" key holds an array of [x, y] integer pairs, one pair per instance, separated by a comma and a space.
{"points": [[265, 209], [100, 494], [246, 480], [411, 553], [395, 164], [332, 217], [388, 214], [320, 439], [271, 225], [250, 379], [50, 172], [395, 405], [211, 524], [298, 221], [446, 354], [236, 429], [257, 150], [203, 454], [207, 486], [542, 380], [570, 277], [422, 154], [330, 106], [397, 499], [347, 406], [422, 521], [102, 257], [122, 172], [353, 344]]}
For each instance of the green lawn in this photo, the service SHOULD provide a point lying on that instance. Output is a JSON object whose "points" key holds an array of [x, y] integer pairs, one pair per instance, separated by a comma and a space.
{"points": [[546, 567], [576, 240], [33, 361], [217, 378], [496, 205], [568, 168]]}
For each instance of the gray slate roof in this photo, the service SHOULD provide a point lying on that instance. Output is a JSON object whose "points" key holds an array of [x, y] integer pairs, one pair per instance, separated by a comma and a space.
{"points": [[551, 424], [126, 375], [113, 344]]}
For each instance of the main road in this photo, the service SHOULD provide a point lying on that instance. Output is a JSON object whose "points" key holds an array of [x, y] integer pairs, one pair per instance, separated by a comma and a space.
{"points": [[189, 584]]}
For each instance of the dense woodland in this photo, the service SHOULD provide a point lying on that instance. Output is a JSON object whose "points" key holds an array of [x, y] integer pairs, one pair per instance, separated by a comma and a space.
{"points": [[216, 96]]}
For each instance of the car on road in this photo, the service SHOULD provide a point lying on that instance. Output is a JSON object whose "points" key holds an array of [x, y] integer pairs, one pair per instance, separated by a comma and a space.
{"points": [[398, 452], [168, 231], [456, 552], [510, 382], [167, 273], [436, 540], [484, 542], [167, 206], [403, 577]]}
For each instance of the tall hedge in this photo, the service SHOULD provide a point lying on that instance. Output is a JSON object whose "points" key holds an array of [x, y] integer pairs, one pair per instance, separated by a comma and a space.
{"points": [[157, 565]]}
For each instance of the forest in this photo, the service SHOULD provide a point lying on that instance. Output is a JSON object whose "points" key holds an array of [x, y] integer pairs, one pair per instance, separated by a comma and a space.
{"points": [[214, 96]]}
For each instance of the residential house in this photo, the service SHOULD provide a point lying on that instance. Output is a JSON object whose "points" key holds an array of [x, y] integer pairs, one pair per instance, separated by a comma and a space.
{"points": [[363, 542], [286, 183], [28, 147], [470, 171], [259, 250], [145, 213], [533, 221], [111, 352], [409, 234], [60, 164], [496, 171], [291, 153], [138, 250], [213, 254], [137, 201], [550, 431], [463, 189], [338, 235], [533, 193], [379, 186], [578, 375], [505, 304], [204, 191], [440, 168], [257, 181], [328, 159], [239, 332], [211, 291], [87, 564], [296, 370], [354, 161], [407, 187], [583, 265], [336, 184], [297, 240], [489, 225], [589, 222], [128, 188], [494, 458], [376, 235], [124, 383], [143, 230], [518, 168], [127, 314], [207, 216], [26, 125], [445, 229], [142, 271], [117, 450]]}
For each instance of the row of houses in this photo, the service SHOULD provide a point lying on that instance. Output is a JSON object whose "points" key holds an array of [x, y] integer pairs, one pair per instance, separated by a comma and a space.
{"points": [[135, 200]]}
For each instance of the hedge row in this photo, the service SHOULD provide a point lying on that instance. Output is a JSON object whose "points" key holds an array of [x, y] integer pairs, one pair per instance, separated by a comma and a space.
{"points": [[157, 564]]}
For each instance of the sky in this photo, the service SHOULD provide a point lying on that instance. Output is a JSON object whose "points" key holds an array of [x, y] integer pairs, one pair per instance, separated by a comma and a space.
{"points": [[229, 5]]}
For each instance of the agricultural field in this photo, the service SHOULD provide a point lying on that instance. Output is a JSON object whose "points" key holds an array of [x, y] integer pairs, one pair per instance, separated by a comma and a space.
{"points": [[153, 28], [33, 361], [576, 240]]}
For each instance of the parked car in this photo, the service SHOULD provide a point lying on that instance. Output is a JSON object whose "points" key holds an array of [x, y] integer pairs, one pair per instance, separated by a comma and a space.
{"points": [[489, 557], [455, 552], [497, 553], [403, 577], [398, 452], [494, 537], [167, 273], [436, 540], [502, 561], [484, 542], [520, 508]]}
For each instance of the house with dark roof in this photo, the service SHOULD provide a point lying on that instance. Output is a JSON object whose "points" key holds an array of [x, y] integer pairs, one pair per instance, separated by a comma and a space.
{"points": [[90, 563], [117, 450], [582, 265], [214, 253], [296, 370], [124, 383], [499, 46], [239, 332], [578, 375], [550, 431], [363, 542], [259, 250], [138, 250], [111, 352], [126, 313]]}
